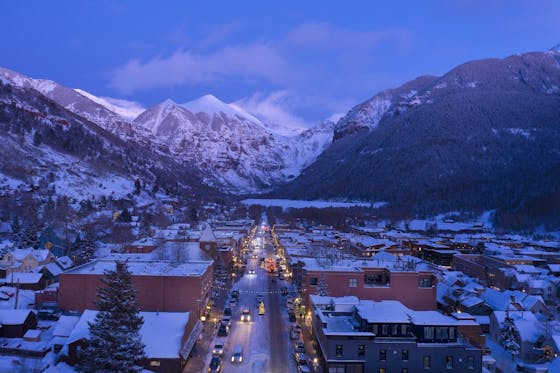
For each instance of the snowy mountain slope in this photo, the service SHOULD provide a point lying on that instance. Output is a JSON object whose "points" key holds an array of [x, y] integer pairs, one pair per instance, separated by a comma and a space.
{"points": [[231, 147], [484, 135], [126, 109], [78, 102], [45, 147]]}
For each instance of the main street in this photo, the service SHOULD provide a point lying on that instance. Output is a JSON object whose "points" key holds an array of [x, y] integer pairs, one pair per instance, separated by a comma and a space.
{"points": [[265, 339]]}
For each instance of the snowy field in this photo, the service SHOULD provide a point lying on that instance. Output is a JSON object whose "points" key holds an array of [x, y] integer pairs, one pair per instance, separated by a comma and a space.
{"points": [[300, 204]]}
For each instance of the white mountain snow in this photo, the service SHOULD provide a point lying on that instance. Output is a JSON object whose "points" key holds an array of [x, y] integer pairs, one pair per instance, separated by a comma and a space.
{"points": [[235, 150], [126, 109]]}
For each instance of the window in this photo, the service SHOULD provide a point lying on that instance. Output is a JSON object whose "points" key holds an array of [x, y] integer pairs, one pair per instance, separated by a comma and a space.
{"points": [[384, 329], [405, 355], [313, 281], [452, 333], [382, 370], [449, 362], [427, 362], [382, 354], [338, 350], [375, 329], [428, 332], [425, 282], [394, 329], [361, 350], [337, 368], [352, 282], [404, 330], [441, 333], [470, 362]]}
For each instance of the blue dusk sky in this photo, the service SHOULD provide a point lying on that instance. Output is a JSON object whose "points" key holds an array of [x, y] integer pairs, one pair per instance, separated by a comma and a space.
{"points": [[293, 61]]}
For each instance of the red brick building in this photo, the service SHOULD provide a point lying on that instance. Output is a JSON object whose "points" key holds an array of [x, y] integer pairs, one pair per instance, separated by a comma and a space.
{"points": [[404, 280], [161, 285]]}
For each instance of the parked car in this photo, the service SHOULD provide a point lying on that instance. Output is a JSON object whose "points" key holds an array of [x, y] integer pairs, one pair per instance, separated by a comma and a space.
{"points": [[223, 330], [215, 365], [227, 311], [295, 332], [235, 294], [226, 320], [292, 316], [303, 367], [300, 357], [299, 347], [259, 298]]}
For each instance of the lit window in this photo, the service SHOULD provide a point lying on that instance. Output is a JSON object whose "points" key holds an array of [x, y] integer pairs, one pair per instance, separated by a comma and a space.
{"points": [[405, 355], [382, 354], [470, 362], [449, 362], [352, 282], [361, 350], [338, 350], [427, 362]]}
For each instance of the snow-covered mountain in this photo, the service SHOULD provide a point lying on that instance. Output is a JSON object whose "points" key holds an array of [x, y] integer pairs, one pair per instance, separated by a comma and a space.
{"points": [[234, 150]]}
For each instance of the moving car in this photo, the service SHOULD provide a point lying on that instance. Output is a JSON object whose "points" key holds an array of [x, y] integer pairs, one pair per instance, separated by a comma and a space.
{"points": [[295, 332], [227, 311], [251, 271], [218, 349], [245, 314], [215, 365], [237, 356]]}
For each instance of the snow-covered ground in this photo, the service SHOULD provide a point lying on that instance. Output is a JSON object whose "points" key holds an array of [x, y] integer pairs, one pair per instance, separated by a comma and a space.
{"points": [[300, 204]]}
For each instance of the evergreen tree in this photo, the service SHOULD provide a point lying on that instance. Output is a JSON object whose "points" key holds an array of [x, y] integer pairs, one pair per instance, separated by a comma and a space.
{"points": [[87, 248], [507, 336], [29, 236], [125, 216], [16, 231], [115, 344], [137, 187]]}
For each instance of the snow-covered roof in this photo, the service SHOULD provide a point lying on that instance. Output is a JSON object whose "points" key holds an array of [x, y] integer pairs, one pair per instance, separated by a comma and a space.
{"points": [[146, 267], [404, 263], [430, 318], [13, 317], [53, 268], [65, 262], [32, 333], [387, 311], [65, 325], [161, 333], [207, 235], [23, 278]]}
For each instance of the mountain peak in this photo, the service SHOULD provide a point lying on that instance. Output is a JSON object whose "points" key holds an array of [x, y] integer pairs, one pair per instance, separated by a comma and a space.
{"points": [[167, 103]]}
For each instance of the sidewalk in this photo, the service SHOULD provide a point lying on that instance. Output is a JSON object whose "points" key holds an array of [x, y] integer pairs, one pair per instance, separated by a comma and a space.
{"points": [[197, 361]]}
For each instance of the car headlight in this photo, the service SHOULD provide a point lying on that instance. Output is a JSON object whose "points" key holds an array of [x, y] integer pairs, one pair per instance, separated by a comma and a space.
{"points": [[240, 358], [232, 359]]}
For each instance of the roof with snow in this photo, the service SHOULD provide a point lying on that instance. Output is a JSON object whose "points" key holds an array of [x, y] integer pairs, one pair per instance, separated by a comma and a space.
{"points": [[161, 333], [207, 235], [13, 317], [139, 267], [23, 278]]}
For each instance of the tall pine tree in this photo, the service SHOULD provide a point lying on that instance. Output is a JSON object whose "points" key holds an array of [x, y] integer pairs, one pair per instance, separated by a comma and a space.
{"points": [[115, 344]]}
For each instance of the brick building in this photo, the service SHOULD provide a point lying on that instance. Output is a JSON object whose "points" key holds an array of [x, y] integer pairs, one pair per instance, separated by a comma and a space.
{"points": [[161, 285], [405, 279]]}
